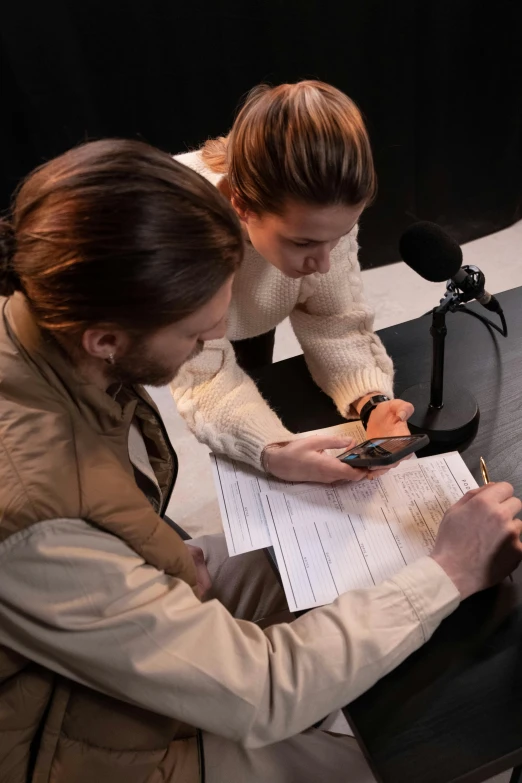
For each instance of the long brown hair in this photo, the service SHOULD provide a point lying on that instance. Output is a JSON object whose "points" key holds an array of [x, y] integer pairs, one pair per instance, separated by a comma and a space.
{"points": [[304, 141], [117, 232]]}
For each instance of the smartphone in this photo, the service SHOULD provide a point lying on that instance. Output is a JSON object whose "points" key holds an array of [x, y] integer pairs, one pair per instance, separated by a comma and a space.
{"points": [[379, 452]]}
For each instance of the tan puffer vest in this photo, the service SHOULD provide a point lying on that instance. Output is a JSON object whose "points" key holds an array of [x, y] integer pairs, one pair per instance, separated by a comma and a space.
{"points": [[64, 454]]}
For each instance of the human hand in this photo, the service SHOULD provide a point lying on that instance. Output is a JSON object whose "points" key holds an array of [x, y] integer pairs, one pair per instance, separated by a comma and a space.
{"points": [[478, 543], [388, 419], [204, 581], [306, 460]]}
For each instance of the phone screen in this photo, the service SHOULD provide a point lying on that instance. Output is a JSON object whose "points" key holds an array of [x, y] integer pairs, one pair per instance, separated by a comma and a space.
{"points": [[380, 447], [388, 449]]}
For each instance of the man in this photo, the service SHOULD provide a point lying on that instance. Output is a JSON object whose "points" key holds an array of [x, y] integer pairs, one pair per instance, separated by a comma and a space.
{"points": [[117, 265]]}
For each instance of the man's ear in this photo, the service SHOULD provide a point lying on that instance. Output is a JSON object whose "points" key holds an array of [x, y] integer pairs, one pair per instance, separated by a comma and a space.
{"points": [[104, 343]]}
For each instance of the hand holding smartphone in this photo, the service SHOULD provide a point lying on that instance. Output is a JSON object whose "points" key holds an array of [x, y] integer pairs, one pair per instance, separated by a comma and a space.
{"points": [[380, 452]]}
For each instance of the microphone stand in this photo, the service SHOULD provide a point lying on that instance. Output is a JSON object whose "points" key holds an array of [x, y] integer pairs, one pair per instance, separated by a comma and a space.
{"points": [[449, 417], [438, 332]]}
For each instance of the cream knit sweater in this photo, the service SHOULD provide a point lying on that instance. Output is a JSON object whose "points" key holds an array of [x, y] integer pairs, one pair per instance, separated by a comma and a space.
{"points": [[333, 324]]}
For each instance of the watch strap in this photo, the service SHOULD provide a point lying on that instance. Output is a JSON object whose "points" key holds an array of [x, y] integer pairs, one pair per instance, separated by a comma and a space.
{"points": [[369, 406]]}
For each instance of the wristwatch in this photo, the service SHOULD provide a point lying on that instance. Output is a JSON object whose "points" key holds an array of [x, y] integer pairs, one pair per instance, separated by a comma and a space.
{"points": [[368, 407]]}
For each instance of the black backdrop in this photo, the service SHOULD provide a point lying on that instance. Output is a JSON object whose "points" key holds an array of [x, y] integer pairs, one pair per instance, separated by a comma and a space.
{"points": [[439, 81]]}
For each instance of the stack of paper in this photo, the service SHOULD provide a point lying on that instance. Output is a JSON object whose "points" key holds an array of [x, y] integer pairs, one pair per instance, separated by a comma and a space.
{"points": [[330, 538]]}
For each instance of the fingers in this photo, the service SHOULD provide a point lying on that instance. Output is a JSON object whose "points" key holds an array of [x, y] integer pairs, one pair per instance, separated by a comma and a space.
{"points": [[204, 582], [320, 442], [497, 500], [511, 507], [496, 492], [506, 491], [402, 409], [377, 472], [468, 496], [197, 554], [333, 469]]}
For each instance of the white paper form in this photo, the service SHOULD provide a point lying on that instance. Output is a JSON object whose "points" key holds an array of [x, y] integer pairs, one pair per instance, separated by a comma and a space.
{"points": [[240, 487], [331, 539]]}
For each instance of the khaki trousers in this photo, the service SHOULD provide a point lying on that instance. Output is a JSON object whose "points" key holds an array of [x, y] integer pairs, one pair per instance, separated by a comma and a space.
{"points": [[247, 586]]}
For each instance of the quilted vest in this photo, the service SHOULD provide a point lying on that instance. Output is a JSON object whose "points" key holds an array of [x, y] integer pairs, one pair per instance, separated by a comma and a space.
{"points": [[64, 454]]}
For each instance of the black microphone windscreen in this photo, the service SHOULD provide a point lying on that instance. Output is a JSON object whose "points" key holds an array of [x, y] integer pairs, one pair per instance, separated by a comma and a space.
{"points": [[430, 252]]}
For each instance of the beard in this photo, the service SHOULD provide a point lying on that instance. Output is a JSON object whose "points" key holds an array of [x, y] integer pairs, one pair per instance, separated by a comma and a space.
{"points": [[137, 368]]}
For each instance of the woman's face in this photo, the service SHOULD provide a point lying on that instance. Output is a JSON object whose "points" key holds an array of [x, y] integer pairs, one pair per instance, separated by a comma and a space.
{"points": [[299, 241]]}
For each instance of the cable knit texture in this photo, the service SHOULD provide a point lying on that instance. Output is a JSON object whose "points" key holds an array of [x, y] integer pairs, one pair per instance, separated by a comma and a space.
{"points": [[333, 324]]}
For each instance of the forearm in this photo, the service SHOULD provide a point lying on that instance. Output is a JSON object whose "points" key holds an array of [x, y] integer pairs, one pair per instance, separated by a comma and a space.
{"points": [[138, 635], [345, 358], [223, 407], [334, 325], [346, 647]]}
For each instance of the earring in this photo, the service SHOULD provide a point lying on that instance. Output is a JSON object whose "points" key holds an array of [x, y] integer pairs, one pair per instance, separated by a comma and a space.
{"points": [[110, 359]]}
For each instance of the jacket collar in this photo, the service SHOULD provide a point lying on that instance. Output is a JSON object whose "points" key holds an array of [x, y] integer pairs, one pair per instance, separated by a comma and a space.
{"points": [[102, 411]]}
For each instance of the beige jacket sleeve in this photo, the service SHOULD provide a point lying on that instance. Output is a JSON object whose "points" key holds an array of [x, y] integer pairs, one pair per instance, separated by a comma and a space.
{"points": [[334, 325], [222, 406], [83, 604]]}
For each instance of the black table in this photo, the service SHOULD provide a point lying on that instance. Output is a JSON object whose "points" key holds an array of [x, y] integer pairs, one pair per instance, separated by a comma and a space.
{"points": [[453, 711]]}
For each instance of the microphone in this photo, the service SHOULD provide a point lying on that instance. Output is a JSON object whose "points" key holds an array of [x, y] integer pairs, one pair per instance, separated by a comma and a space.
{"points": [[436, 257]]}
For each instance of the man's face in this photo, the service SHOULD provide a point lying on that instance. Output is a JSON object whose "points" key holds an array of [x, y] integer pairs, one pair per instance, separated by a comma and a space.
{"points": [[155, 360]]}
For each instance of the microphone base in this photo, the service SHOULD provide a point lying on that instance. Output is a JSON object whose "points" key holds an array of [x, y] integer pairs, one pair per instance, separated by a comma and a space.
{"points": [[455, 424]]}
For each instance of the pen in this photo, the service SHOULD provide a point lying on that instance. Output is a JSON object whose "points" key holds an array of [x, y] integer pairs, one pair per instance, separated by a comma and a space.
{"points": [[484, 471], [486, 480]]}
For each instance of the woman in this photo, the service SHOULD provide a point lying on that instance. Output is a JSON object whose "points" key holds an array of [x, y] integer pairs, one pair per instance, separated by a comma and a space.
{"points": [[297, 167]]}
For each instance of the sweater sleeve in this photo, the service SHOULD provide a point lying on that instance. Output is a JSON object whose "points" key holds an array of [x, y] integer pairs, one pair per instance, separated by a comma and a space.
{"points": [[223, 407], [334, 325]]}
